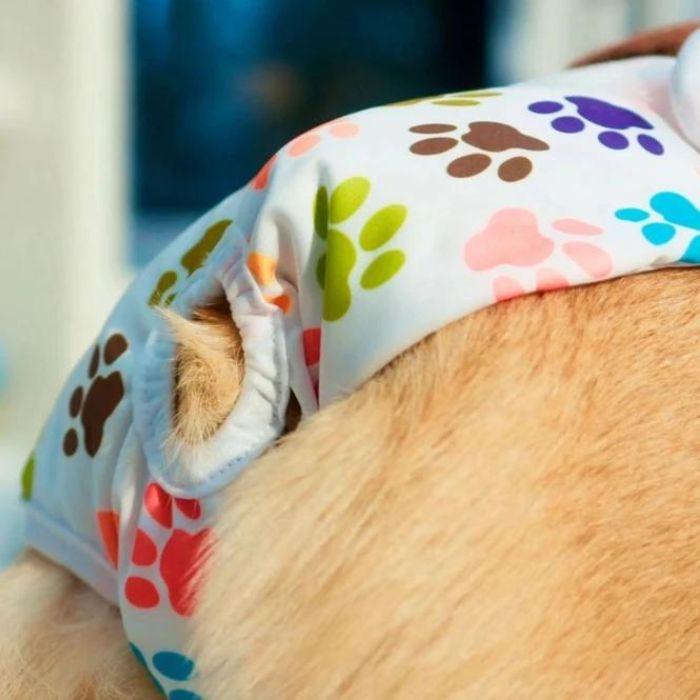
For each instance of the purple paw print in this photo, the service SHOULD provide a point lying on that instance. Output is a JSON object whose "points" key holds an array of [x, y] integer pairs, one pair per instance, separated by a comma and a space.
{"points": [[613, 118]]}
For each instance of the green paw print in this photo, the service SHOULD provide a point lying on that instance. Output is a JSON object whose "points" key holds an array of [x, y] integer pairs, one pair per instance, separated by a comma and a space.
{"points": [[28, 478], [469, 98], [339, 258], [164, 293]]}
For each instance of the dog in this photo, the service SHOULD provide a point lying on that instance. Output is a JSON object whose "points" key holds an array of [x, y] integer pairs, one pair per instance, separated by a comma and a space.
{"points": [[505, 509]]}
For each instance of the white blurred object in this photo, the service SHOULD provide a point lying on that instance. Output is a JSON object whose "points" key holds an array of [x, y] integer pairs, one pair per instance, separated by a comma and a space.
{"points": [[62, 201], [534, 37], [3, 370], [686, 89], [11, 512]]}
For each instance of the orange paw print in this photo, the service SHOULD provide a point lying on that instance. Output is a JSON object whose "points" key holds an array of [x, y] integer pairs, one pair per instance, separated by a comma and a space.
{"points": [[264, 270], [259, 182], [337, 129], [179, 560]]}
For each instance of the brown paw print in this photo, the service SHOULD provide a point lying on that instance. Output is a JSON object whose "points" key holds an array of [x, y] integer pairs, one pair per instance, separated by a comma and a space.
{"points": [[100, 401], [493, 137]]}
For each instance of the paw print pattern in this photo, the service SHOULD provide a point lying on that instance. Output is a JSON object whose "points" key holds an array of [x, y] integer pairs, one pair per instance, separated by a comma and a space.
{"points": [[612, 118], [492, 137], [339, 255], [259, 182], [674, 210], [172, 666], [512, 237], [95, 406], [165, 292], [263, 267], [179, 560], [337, 129], [108, 528], [27, 478], [469, 98]]}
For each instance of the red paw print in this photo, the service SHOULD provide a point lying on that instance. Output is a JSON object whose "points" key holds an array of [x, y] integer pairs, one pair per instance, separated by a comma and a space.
{"points": [[179, 560], [312, 354], [108, 527]]}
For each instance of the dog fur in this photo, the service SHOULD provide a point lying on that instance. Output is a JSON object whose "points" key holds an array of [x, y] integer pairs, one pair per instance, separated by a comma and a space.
{"points": [[510, 509], [208, 370]]}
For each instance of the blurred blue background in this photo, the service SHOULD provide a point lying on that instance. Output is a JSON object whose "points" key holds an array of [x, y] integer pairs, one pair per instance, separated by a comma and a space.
{"points": [[219, 85]]}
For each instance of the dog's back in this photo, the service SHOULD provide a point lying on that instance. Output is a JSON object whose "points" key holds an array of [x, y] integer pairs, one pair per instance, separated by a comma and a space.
{"points": [[510, 510]]}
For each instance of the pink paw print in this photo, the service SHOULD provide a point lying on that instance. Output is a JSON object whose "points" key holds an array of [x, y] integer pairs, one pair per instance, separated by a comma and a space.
{"points": [[512, 237], [179, 560], [339, 129]]}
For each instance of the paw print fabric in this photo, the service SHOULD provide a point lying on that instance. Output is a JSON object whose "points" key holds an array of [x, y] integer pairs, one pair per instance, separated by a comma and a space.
{"points": [[351, 244]]}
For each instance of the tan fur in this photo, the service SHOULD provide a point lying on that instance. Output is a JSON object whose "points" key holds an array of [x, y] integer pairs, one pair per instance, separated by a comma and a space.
{"points": [[661, 41], [209, 370], [60, 641], [512, 509]]}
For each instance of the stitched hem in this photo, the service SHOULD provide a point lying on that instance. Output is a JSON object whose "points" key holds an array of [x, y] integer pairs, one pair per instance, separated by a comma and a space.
{"points": [[258, 417], [63, 546]]}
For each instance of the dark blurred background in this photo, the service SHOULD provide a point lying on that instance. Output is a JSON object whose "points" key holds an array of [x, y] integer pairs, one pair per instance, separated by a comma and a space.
{"points": [[219, 85]]}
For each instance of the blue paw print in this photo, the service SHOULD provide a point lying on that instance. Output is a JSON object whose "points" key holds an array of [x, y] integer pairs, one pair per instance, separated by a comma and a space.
{"points": [[675, 210], [614, 119], [174, 667]]}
